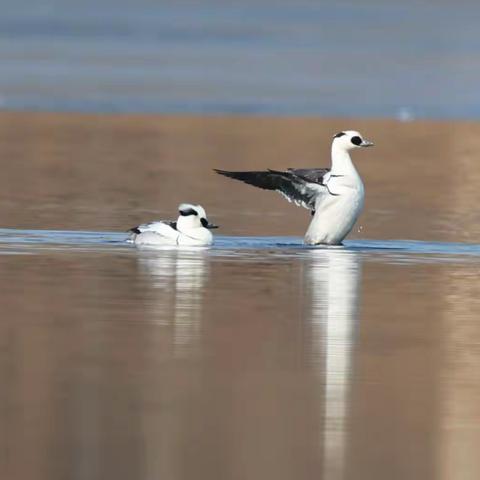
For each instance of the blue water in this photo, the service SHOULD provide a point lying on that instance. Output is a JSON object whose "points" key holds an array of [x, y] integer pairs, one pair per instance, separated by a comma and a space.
{"points": [[13, 241], [365, 58]]}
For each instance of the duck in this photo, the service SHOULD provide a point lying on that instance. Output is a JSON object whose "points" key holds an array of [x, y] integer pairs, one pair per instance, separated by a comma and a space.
{"points": [[335, 195], [192, 228]]}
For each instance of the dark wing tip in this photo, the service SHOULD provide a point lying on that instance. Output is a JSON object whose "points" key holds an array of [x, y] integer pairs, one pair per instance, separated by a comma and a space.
{"points": [[247, 177], [266, 179], [225, 172], [134, 230]]}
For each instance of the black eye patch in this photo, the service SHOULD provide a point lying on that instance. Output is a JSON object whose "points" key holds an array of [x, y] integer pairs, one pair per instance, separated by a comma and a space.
{"points": [[187, 212], [204, 222], [356, 140], [339, 134]]}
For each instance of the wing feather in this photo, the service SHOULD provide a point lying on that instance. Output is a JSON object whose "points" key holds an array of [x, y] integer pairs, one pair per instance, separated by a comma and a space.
{"points": [[315, 175], [165, 229], [300, 186]]}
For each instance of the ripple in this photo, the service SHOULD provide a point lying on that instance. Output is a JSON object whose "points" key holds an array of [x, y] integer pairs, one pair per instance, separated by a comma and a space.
{"points": [[13, 241]]}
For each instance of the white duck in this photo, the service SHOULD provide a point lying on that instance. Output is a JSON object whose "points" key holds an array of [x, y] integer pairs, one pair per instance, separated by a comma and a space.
{"points": [[190, 229], [335, 195]]}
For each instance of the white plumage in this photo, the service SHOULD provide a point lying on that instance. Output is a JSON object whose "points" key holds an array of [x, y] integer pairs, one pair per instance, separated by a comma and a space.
{"points": [[190, 229], [335, 196]]}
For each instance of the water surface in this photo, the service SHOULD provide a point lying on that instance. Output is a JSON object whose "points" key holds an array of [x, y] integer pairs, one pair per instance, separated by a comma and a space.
{"points": [[258, 357], [413, 59]]}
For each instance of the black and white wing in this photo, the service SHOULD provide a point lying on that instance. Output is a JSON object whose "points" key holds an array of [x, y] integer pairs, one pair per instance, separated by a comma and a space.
{"points": [[302, 186], [166, 229], [315, 175]]}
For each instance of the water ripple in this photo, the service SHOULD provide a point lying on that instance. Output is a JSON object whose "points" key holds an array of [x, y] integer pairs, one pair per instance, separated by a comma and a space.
{"points": [[13, 241]]}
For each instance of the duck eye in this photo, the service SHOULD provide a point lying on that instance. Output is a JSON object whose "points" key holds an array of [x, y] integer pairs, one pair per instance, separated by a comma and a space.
{"points": [[204, 222], [356, 140]]}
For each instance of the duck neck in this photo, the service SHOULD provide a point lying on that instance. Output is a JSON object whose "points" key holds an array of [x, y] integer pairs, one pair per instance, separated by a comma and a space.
{"points": [[185, 225], [341, 162]]}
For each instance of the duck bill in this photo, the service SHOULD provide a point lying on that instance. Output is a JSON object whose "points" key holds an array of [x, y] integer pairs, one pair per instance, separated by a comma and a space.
{"points": [[367, 143], [210, 226]]}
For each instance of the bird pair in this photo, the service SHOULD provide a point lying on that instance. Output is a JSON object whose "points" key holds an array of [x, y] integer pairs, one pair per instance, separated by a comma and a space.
{"points": [[334, 196]]}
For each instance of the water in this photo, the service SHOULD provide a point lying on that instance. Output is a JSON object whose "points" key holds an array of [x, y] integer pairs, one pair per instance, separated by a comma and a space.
{"points": [[413, 59], [32, 242], [258, 357]]}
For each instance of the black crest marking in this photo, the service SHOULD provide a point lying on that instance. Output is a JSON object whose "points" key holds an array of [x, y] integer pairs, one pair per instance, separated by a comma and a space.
{"points": [[356, 141], [187, 212], [339, 134]]}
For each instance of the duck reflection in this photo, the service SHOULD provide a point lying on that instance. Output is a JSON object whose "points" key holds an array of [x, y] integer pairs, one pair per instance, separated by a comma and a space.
{"points": [[178, 278], [333, 277]]}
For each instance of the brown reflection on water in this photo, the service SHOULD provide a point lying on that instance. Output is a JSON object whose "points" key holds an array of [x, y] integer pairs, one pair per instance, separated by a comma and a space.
{"points": [[94, 172], [178, 364], [461, 388], [330, 364]]}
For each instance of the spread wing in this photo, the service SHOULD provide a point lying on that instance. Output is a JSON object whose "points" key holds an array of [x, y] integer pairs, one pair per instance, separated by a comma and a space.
{"points": [[302, 186], [315, 175]]}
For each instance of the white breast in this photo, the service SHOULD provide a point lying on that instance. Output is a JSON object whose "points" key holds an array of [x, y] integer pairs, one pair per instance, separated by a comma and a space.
{"points": [[201, 237], [337, 212]]}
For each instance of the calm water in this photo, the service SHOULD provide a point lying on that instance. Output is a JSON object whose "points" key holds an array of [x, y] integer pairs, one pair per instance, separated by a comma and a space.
{"points": [[416, 58], [258, 357]]}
